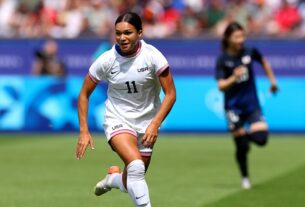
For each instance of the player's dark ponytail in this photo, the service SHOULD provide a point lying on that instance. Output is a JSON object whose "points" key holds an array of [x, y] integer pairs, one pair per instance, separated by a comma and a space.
{"points": [[231, 28], [132, 18]]}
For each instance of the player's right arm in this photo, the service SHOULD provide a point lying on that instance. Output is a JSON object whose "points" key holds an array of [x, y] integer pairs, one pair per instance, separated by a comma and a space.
{"points": [[37, 67], [226, 83], [96, 74], [85, 138]]}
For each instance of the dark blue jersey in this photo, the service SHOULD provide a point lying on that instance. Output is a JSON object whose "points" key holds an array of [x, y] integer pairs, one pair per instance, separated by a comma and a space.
{"points": [[242, 96]]}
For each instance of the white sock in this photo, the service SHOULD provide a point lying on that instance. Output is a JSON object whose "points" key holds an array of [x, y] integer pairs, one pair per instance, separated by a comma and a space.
{"points": [[136, 184], [116, 181]]}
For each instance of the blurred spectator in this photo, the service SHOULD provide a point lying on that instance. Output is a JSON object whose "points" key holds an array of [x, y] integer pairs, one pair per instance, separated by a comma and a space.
{"points": [[7, 9], [152, 26], [214, 13], [71, 19], [302, 25], [195, 5], [190, 23], [259, 18], [287, 17], [47, 62], [100, 17], [222, 24], [240, 10]]}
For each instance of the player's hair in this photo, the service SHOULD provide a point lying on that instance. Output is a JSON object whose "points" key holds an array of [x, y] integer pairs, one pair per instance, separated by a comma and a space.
{"points": [[132, 18], [231, 28]]}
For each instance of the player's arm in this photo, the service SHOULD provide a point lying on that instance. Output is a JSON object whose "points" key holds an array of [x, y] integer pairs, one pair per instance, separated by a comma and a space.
{"points": [[37, 67], [84, 137], [226, 83], [168, 87], [268, 70]]}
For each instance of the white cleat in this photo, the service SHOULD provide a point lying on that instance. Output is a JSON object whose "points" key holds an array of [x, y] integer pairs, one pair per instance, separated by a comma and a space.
{"points": [[245, 183], [102, 186]]}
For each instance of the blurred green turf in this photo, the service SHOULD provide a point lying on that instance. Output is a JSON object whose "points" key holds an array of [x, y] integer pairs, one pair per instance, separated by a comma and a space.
{"points": [[285, 190], [186, 170]]}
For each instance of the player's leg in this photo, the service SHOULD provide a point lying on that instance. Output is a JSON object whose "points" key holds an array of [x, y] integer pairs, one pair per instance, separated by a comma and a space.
{"points": [[113, 127], [123, 176], [258, 132], [242, 146], [117, 179], [242, 149], [114, 179], [146, 160], [134, 174], [145, 152]]}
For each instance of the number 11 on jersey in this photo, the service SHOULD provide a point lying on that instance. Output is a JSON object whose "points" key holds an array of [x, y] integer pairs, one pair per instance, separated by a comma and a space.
{"points": [[129, 87]]}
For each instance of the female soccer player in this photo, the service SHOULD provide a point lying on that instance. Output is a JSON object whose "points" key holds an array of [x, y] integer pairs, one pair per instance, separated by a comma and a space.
{"points": [[135, 72], [235, 78]]}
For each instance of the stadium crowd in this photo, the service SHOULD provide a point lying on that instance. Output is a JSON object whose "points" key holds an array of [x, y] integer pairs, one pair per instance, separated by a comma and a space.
{"points": [[161, 18]]}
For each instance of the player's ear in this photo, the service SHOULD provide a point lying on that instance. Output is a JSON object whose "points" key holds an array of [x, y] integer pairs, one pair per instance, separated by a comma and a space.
{"points": [[140, 33]]}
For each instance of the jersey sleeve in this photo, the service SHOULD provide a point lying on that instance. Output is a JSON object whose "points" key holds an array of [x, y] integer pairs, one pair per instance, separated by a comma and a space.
{"points": [[98, 68], [159, 61], [219, 69], [257, 56]]}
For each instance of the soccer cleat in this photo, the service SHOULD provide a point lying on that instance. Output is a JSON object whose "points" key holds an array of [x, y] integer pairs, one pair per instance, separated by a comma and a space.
{"points": [[102, 187], [245, 183]]}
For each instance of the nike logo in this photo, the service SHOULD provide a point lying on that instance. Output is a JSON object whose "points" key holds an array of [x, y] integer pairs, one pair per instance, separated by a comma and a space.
{"points": [[140, 197], [114, 72]]}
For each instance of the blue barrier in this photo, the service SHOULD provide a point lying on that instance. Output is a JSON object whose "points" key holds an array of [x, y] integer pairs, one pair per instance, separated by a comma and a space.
{"points": [[186, 56], [50, 104], [45, 104], [199, 105]]}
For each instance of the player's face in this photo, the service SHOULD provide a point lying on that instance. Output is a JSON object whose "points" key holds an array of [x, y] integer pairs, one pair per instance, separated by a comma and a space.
{"points": [[127, 37], [237, 40]]}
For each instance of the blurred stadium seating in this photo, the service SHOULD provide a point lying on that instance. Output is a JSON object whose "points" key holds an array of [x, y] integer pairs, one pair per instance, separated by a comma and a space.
{"points": [[161, 18]]}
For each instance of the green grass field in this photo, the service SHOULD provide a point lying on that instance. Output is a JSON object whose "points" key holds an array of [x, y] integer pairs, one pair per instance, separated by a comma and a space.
{"points": [[186, 171]]}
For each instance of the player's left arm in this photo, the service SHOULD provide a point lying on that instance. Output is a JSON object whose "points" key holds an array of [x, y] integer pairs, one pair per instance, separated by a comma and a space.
{"points": [[268, 70], [256, 55], [168, 87]]}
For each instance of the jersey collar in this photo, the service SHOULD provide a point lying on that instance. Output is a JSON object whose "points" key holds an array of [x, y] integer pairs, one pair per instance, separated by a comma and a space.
{"points": [[118, 50]]}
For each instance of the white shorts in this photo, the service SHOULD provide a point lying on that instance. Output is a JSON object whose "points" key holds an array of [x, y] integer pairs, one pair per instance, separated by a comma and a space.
{"points": [[114, 126]]}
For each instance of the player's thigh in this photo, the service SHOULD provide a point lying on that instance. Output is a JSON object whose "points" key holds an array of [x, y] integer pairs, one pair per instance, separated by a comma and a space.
{"points": [[257, 122], [258, 126], [125, 145], [235, 123], [146, 160]]}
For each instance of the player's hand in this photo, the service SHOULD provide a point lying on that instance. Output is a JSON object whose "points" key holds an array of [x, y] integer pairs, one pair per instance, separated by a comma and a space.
{"points": [[239, 71], [84, 140], [150, 135], [274, 89]]}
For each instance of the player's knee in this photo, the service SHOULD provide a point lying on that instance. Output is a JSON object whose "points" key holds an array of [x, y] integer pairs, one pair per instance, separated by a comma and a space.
{"points": [[136, 184], [136, 170], [238, 133], [260, 137]]}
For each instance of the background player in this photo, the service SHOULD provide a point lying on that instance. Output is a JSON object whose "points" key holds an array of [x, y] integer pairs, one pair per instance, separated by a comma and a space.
{"points": [[135, 72], [235, 77]]}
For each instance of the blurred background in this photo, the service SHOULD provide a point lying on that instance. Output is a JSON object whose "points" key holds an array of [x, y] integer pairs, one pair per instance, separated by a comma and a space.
{"points": [[47, 47], [162, 18]]}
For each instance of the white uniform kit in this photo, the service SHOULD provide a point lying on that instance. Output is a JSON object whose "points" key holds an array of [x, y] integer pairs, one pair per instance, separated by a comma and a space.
{"points": [[133, 89]]}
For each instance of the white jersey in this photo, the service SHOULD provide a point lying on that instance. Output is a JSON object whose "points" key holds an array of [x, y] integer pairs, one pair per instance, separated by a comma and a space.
{"points": [[133, 84]]}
